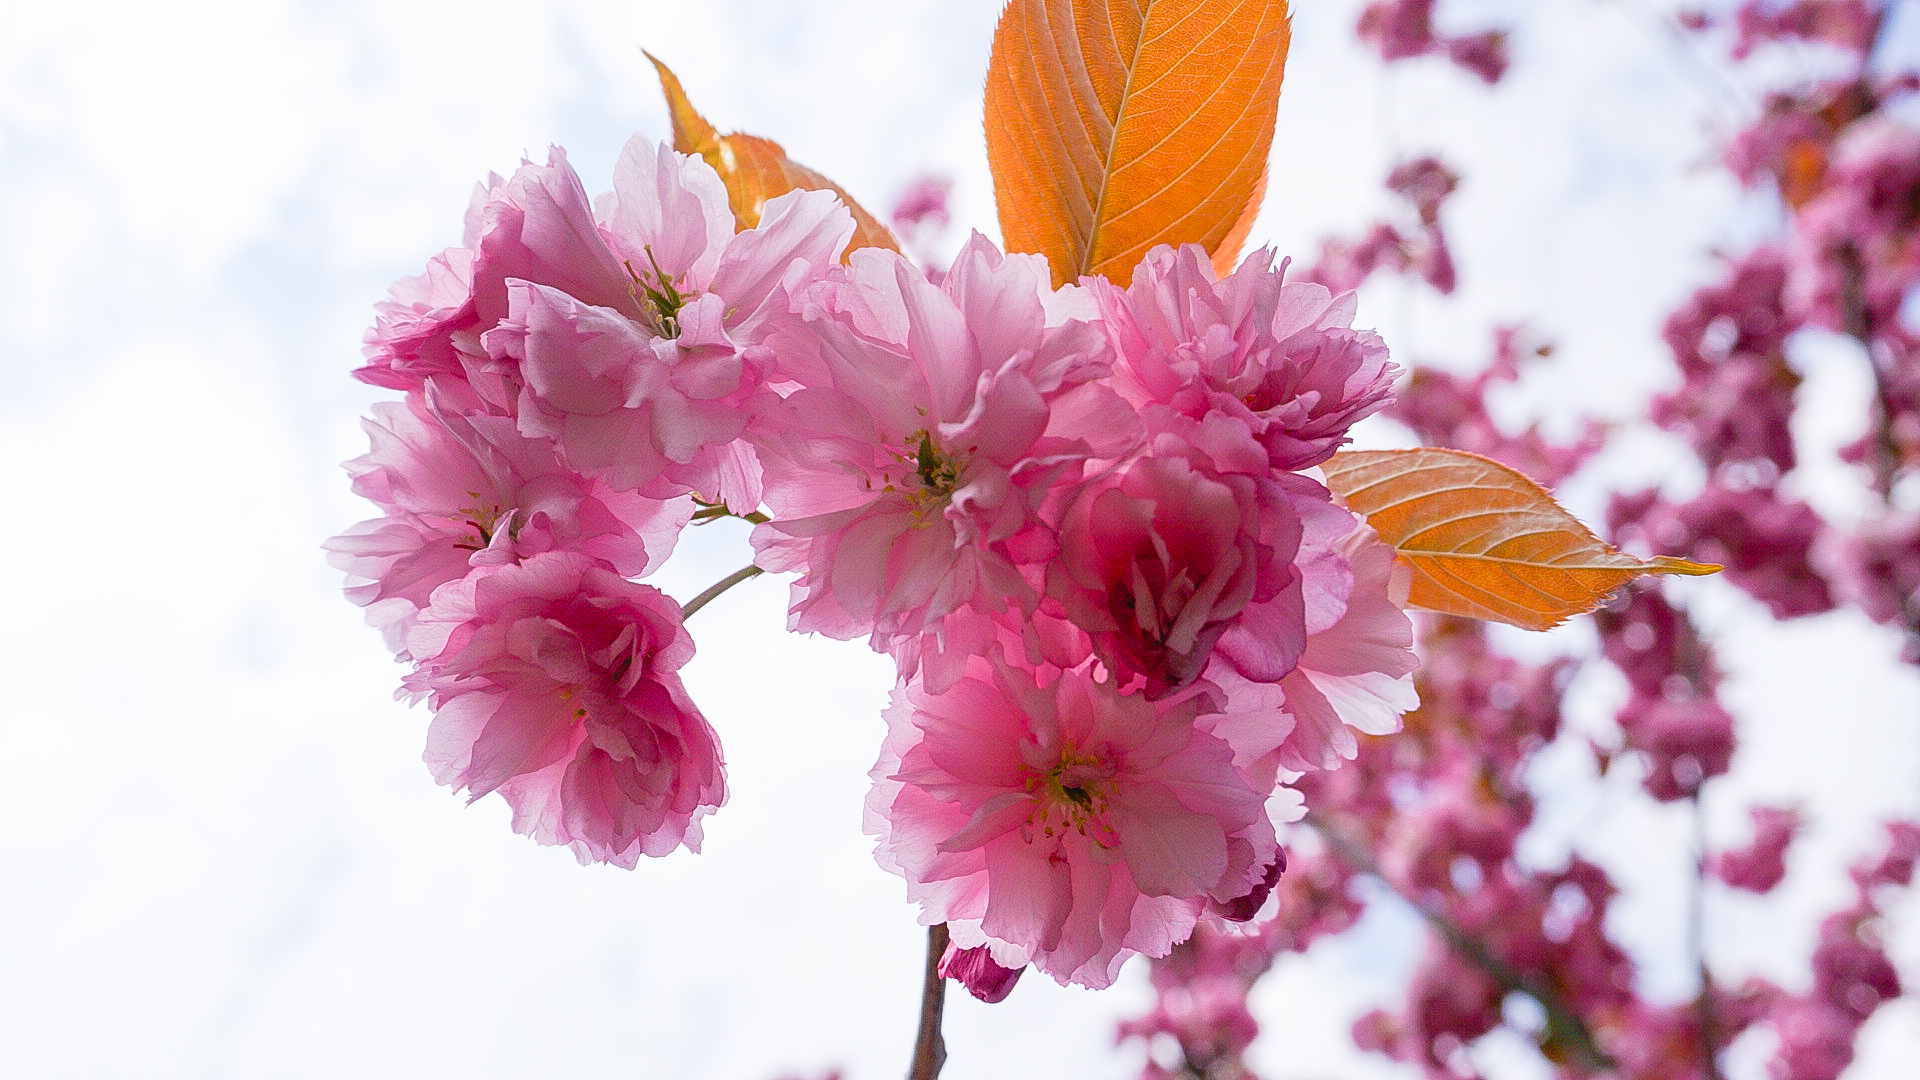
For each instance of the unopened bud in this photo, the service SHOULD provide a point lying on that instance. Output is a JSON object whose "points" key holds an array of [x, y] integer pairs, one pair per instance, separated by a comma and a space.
{"points": [[974, 969], [1244, 908]]}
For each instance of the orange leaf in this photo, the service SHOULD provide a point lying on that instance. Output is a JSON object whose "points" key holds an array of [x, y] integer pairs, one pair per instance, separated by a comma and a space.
{"points": [[1484, 541], [755, 169], [1116, 125]]}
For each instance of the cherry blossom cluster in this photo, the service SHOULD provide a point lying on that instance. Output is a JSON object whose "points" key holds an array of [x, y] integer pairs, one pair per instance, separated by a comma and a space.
{"points": [[1845, 167], [1417, 247], [1436, 814], [573, 376], [1084, 522]]}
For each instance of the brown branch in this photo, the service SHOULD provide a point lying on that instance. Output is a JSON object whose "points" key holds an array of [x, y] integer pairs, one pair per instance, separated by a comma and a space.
{"points": [[1697, 931], [1857, 324], [929, 1048], [1563, 1024]]}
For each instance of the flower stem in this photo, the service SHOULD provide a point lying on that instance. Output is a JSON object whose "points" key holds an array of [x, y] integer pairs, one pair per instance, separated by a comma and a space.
{"points": [[687, 609], [929, 1049]]}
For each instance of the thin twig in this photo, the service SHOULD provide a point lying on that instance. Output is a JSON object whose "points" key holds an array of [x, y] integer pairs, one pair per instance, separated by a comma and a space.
{"points": [[1697, 931], [1856, 324], [1710, 80], [1563, 1024], [687, 609], [929, 1048]]}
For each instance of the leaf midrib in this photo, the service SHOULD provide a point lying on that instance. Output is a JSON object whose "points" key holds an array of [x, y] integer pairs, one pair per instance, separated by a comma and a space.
{"points": [[1086, 263], [1635, 566]]}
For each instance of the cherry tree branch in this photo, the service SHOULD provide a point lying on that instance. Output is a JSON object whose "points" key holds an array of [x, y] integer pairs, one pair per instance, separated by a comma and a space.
{"points": [[1697, 932], [1564, 1026], [929, 1048]]}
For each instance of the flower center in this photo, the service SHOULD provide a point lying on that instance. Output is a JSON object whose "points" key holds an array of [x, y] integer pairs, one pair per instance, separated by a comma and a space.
{"points": [[1072, 796], [938, 473], [483, 520], [656, 293]]}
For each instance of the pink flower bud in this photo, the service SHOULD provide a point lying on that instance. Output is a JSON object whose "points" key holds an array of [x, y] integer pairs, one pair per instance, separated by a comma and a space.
{"points": [[974, 969]]}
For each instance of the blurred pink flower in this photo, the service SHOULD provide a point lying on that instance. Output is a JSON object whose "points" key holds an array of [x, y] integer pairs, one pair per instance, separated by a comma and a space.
{"points": [[1816, 1040], [1850, 966], [1854, 260], [1847, 24], [923, 202], [1896, 867], [1760, 865], [1400, 29], [1686, 741], [1762, 535], [1403, 29], [1876, 566]]}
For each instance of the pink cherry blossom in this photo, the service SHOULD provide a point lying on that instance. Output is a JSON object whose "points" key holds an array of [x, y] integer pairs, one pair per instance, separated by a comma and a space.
{"points": [[468, 489], [1816, 1040], [1653, 643], [1896, 866], [1157, 562], [623, 336], [1876, 567], [658, 386], [1354, 675], [1730, 344], [1850, 966], [627, 405], [1400, 29], [1484, 54], [1278, 360], [554, 681], [1448, 409], [1066, 824], [920, 217], [536, 226], [922, 429]]}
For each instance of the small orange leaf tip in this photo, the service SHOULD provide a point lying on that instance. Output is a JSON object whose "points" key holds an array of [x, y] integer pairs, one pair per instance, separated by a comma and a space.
{"points": [[1482, 540], [754, 169], [1667, 564], [692, 134]]}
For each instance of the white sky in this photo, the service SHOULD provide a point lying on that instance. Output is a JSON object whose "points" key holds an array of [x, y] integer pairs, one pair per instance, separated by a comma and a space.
{"points": [[220, 855]]}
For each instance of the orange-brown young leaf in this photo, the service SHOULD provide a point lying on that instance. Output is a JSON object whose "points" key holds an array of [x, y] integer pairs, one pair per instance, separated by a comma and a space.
{"points": [[755, 169], [1484, 541], [1116, 125]]}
